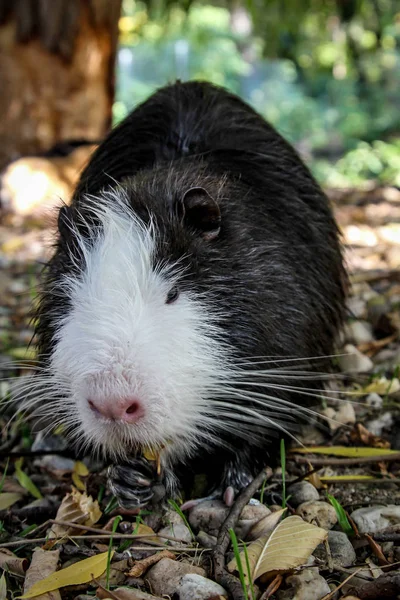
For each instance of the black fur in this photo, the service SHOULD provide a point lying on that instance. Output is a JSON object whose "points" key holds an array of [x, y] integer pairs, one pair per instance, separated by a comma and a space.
{"points": [[275, 266]]}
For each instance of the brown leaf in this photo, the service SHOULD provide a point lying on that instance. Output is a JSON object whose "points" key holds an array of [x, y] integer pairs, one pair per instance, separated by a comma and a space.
{"points": [[377, 550], [43, 564], [124, 593], [361, 434], [266, 525], [141, 566], [75, 508], [12, 563]]}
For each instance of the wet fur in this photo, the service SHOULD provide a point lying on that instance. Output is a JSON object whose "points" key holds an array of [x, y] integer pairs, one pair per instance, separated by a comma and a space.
{"points": [[274, 274]]}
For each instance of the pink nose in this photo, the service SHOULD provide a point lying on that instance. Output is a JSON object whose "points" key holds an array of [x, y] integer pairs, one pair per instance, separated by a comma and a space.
{"points": [[129, 409]]}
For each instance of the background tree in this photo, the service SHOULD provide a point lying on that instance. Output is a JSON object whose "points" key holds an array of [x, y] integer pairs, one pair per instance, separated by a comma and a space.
{"points": [[57, 72]]}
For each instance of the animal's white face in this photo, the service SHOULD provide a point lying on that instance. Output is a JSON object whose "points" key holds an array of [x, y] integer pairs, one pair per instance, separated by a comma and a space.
{"points": [[139, 361]]}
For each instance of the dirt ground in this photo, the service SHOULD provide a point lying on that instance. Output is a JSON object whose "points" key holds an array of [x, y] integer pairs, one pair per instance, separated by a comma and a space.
{"points": [[360, 411]]}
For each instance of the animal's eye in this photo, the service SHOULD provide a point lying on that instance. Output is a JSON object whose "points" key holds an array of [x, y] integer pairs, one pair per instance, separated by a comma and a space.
{"points": [[172, 295]]}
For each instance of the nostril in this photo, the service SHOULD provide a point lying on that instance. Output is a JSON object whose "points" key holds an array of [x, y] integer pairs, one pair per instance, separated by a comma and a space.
{"points": [[93, 406], [133, 408], [126, 409]]}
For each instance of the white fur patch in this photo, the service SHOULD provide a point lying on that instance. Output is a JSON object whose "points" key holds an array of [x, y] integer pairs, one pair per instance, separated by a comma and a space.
{"points": [[121, 339]]}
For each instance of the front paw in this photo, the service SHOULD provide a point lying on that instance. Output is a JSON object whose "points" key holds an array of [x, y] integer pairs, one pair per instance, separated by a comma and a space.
{"points": [[134, 483]]}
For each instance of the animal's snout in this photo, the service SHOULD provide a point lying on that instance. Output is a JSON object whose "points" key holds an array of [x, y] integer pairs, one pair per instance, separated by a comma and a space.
{"points": [[128, 409]]}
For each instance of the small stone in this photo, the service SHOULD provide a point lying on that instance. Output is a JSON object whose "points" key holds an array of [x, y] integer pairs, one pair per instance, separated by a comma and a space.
{"points": [[176, 530], [372, 519], [374, 400], [208, 516], [353, 361], [346, 415], [342, 551], [376, 426], [358, 332], [301, 492], [196, 587], [357, 307], [251, 514], [206, 540], [165, 576], [318, 512], [306, 585]]}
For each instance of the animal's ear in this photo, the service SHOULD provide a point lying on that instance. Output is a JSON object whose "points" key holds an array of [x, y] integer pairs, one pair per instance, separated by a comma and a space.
{"points": [[201, 212]]}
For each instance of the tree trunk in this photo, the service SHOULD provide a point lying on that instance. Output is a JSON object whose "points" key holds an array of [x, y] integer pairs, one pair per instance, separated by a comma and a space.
{"points": [[56, 72]]}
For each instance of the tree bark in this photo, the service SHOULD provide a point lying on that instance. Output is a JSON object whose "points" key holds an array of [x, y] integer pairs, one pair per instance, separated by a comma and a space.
{"points": [[56, 72]]}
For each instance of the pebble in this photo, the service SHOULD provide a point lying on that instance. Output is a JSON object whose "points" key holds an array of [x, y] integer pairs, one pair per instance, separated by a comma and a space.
{"points": [[209, 515], [196, 587], [175, 527], [301, 492], [206, 540], [358, 332], [306, 585], [251, 515], [342, 551], [319, 513], [179, 531], [344, 416], [165, 576], [356, 307], [372, 519], [353, 361], [374, 400], [376, 426]]}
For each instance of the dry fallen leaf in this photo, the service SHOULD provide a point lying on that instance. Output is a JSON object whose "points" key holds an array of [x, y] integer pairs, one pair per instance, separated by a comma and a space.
{"points": [[76, 508], [7, 499], [12, 563], [361, 434], [80, 470], [125, 593], [345, 452], [382, 386], [44, 564], [141, 566], [266, 525], [288, 546], [3, 588], [81, 572]]}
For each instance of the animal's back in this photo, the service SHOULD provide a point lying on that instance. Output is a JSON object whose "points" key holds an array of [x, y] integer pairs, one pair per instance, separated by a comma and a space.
{"points": [[183, 120]]}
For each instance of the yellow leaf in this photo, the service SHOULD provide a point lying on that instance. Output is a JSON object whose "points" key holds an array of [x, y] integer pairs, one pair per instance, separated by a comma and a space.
{"points": [[3, 588], [25, 481], [81, 469], [382, 386], [288, 546], [339, 478], [81, 572], [343, 451], [7, 499]]}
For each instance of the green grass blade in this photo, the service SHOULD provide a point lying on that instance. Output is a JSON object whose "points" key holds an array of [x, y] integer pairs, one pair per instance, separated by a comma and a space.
{"points": [[341, 515], [236, 552]]}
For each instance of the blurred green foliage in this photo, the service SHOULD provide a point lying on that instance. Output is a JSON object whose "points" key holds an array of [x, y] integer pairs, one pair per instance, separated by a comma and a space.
{"points": [[326, 73]]}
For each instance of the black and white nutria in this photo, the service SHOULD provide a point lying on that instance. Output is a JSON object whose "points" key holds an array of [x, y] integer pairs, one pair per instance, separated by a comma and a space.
{"points": [[196, 272]]}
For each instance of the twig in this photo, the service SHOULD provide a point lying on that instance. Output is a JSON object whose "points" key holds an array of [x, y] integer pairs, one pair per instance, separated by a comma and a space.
{"points": [[333, 592], [222, 576], [110, 534], [326, 462], [118, 536]]}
